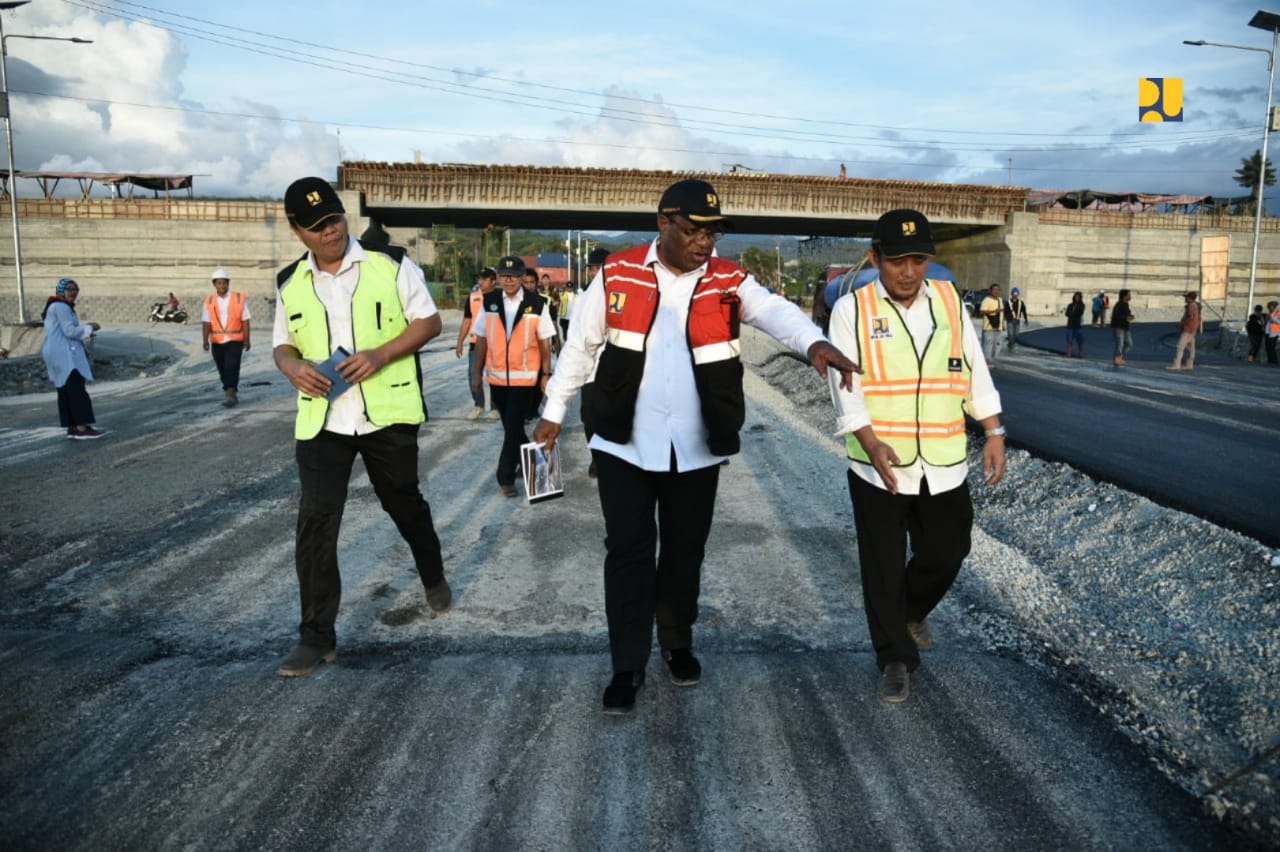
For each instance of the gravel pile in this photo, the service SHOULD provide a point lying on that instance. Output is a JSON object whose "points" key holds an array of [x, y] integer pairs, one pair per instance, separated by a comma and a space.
{"points": [[1163, 621], [27, 374]]}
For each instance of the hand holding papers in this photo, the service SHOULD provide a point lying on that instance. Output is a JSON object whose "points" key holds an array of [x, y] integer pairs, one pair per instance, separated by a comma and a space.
{"points": [[541, 472]]}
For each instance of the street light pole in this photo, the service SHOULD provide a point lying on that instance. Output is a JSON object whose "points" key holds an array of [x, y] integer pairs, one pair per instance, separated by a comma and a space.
{"points": [[13, 179], [1269, 21], [8, 136]]}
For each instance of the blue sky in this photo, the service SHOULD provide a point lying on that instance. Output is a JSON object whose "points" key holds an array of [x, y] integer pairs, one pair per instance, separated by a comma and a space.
{"points": [[252, 94]]}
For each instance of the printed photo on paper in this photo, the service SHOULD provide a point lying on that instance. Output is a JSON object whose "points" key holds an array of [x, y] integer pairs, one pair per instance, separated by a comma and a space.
{"points": [[542, 476]]}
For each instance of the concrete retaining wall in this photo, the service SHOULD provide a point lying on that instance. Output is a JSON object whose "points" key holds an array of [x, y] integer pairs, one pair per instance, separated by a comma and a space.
{"points": [[127, 255], [1050, 261]]}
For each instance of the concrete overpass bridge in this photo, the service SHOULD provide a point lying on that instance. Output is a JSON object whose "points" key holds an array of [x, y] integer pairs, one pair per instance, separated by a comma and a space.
{"points": [[475, 196]]}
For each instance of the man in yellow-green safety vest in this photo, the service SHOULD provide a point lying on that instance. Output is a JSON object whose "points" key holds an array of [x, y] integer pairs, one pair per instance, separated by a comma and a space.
{"points": [[904, 422], [350, 319]]}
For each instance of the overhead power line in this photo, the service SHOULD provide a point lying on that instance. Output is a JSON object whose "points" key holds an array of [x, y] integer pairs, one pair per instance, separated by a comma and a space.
{"points": [[272, 47]]}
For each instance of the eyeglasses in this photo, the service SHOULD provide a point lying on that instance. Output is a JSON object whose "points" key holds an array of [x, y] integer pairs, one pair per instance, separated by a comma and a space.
{"points": [[323, 225], [690, 231]]}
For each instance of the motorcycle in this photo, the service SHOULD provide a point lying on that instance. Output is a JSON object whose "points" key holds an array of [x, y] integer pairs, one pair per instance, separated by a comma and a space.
{"points": [[160, 313]]}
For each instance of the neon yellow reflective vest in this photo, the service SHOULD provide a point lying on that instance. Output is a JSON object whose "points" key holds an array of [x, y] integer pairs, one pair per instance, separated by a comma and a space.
{"points": [[394, 393], [916, 402]]}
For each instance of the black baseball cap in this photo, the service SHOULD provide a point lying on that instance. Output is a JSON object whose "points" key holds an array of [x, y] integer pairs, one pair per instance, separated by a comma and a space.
{"points": [[597, 257], [511, 265], [696, 200], [899, 233], [309, 201]]}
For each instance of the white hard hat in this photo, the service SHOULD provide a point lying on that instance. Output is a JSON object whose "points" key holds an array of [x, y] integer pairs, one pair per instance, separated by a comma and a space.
{"points": [[219, 273]]}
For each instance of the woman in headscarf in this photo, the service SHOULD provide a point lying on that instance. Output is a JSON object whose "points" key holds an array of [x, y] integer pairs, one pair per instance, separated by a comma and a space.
{"points": [[66, 361]]}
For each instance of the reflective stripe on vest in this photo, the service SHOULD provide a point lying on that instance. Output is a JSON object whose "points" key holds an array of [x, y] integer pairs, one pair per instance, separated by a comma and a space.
{"points": [[476, 298], [391, 395], [915, 402], [517, 361], [233, 330], [711, 330]]}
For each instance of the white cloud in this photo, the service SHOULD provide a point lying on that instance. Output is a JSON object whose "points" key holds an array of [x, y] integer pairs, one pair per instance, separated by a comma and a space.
{"points": [[96, 124]]}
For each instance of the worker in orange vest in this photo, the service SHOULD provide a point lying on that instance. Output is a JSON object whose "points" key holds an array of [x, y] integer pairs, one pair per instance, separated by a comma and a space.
{"points": [[225, 328], [473, 313]]}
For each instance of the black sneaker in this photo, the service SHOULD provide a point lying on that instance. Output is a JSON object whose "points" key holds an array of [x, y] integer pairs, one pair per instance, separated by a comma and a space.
{"points": [[684, 667], [620, 694]]}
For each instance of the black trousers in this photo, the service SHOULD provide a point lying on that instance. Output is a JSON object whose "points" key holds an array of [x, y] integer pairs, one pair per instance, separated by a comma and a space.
{"points": [[894, 590], [227, 356], [512, 404], [324, 467], [652, 565], [1270, 344], [74, 406]]}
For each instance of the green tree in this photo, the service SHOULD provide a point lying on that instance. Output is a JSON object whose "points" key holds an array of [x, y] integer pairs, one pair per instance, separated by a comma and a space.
{"points": [[761, 264], [1247, 174]]}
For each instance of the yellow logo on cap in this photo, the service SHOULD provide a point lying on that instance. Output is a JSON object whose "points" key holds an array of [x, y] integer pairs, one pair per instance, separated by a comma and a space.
{"points": [[908, 229], [712, 201], [313, 198]]}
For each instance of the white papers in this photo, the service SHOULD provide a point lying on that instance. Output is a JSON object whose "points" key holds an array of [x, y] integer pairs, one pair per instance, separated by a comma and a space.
{"points": [[540, 470]]}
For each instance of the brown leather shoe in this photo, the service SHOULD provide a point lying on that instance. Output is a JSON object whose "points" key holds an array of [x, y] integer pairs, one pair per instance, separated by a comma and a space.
{"points": [[303, 659], [507, 490], [895, 683], [921, 634], [439, 596]]}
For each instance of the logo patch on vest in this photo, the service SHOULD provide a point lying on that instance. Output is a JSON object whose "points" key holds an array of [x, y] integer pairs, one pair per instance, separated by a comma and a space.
{"points": [[617, 301], [880, 329], [954, 365]]}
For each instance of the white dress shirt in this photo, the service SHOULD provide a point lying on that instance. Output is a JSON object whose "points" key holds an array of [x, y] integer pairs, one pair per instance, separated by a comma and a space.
{"points": [[346, 413], [668, 411], [980, 402]]}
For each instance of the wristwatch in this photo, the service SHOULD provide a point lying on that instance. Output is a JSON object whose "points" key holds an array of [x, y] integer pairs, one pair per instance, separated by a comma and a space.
{"points": [[998, 432]]}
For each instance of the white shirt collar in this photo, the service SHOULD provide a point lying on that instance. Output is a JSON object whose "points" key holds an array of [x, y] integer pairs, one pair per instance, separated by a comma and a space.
{"points": [[355, 254]]}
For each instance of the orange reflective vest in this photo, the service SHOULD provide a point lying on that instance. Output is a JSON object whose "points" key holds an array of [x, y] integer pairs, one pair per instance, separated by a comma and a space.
{"points": [[915, 400], [712, 328], [513, 360], [233, 330], [1273, 327], [476, 298]]}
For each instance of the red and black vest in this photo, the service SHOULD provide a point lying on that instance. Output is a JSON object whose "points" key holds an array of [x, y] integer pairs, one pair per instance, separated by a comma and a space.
{"points": [[631, 305]]}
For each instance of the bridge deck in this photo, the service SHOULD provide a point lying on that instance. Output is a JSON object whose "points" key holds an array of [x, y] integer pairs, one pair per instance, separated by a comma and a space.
{"points": [[409, 194]]}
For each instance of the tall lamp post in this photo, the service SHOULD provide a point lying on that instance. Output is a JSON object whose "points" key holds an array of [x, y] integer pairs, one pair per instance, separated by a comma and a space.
{"points": [[1269, 21], [6, 5]]}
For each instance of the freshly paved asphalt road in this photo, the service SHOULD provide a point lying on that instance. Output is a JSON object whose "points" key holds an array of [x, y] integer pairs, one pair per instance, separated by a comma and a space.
{"points": [[147, 594], [1205, 441]]}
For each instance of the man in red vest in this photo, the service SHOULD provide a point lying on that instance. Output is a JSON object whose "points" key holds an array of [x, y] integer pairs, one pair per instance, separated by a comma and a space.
{"points": [[225, 329], [666, 408]]}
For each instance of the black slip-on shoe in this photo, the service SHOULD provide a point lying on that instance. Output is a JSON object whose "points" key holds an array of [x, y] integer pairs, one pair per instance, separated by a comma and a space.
{"points": [[620, 694], [684, 667]]}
